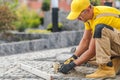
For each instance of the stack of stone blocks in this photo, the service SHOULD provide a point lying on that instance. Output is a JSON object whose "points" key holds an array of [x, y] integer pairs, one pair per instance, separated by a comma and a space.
{"points": [[41, 41]]}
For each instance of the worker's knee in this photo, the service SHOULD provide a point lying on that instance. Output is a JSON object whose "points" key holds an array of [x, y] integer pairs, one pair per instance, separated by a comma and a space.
{"points": [[99, 28]]}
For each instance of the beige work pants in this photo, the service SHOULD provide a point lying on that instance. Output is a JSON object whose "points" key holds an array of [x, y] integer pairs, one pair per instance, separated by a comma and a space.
{"points": [[107, 46]]}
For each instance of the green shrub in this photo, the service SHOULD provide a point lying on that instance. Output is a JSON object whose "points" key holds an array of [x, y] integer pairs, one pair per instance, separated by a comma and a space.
{"points": [[95, 2], [26, 18], [12, 4], [46, 5], [50, 26], [6, 18], [37, 31]]}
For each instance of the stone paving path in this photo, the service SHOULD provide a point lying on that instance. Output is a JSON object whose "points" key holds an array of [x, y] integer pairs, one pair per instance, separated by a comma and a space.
{"points": [[43, 61]]}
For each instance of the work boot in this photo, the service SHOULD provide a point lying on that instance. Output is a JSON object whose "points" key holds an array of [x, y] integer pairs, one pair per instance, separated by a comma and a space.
{"points": [[104, 71], [69, 60], [116, 64]]}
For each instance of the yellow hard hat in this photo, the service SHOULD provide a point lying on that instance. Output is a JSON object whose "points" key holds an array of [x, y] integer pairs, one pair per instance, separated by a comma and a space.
{"points": [[77, 6]]}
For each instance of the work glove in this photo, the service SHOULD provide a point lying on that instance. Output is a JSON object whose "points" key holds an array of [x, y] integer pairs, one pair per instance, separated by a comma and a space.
{"points": [[69, 60], [65, 68]]}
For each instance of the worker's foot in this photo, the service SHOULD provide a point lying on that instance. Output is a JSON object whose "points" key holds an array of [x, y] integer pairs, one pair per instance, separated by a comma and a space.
{"points": [[116, 64], [104, 71]]}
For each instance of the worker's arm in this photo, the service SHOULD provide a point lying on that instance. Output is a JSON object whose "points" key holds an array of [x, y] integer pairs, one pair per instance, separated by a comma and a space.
{"points": [[88, 54], [86, 50], [84, 43]]}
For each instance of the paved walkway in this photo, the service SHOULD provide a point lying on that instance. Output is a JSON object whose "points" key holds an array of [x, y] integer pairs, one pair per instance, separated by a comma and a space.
{"points": [[27, 66]]}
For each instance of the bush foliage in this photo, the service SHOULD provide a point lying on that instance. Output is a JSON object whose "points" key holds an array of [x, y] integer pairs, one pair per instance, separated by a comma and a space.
{"points": [[26, 18], [38, 31], [46, 5], [6, 18], [95, 2], [50, 26]]}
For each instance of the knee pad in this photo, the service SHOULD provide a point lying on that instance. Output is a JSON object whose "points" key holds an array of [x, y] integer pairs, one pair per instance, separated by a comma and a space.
{"points": [[98, 30]]}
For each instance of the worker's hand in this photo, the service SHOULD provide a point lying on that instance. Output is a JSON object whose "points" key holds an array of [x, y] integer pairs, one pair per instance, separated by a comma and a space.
{"points": [[69, 60], [65, 68]]}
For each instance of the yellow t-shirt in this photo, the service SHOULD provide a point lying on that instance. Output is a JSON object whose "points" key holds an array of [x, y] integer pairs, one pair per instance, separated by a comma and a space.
{"points": [[108, 20]]}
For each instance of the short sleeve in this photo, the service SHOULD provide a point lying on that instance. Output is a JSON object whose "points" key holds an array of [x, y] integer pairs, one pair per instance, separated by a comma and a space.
{"points": [[87, 26]]}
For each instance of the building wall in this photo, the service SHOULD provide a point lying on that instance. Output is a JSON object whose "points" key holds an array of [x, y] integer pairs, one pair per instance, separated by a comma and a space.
{"points": [[37, 4], [64, 5]]}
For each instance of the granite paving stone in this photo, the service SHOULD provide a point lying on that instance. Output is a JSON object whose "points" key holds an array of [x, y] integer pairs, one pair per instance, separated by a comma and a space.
{"points": [[42, 60]]}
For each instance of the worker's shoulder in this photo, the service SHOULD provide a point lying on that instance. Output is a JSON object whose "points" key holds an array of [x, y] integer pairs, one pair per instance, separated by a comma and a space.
{"points": [[106, 9]]}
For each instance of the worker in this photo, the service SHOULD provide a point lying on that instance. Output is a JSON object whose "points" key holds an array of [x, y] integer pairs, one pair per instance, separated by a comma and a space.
{"points": [[101, 39]]}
